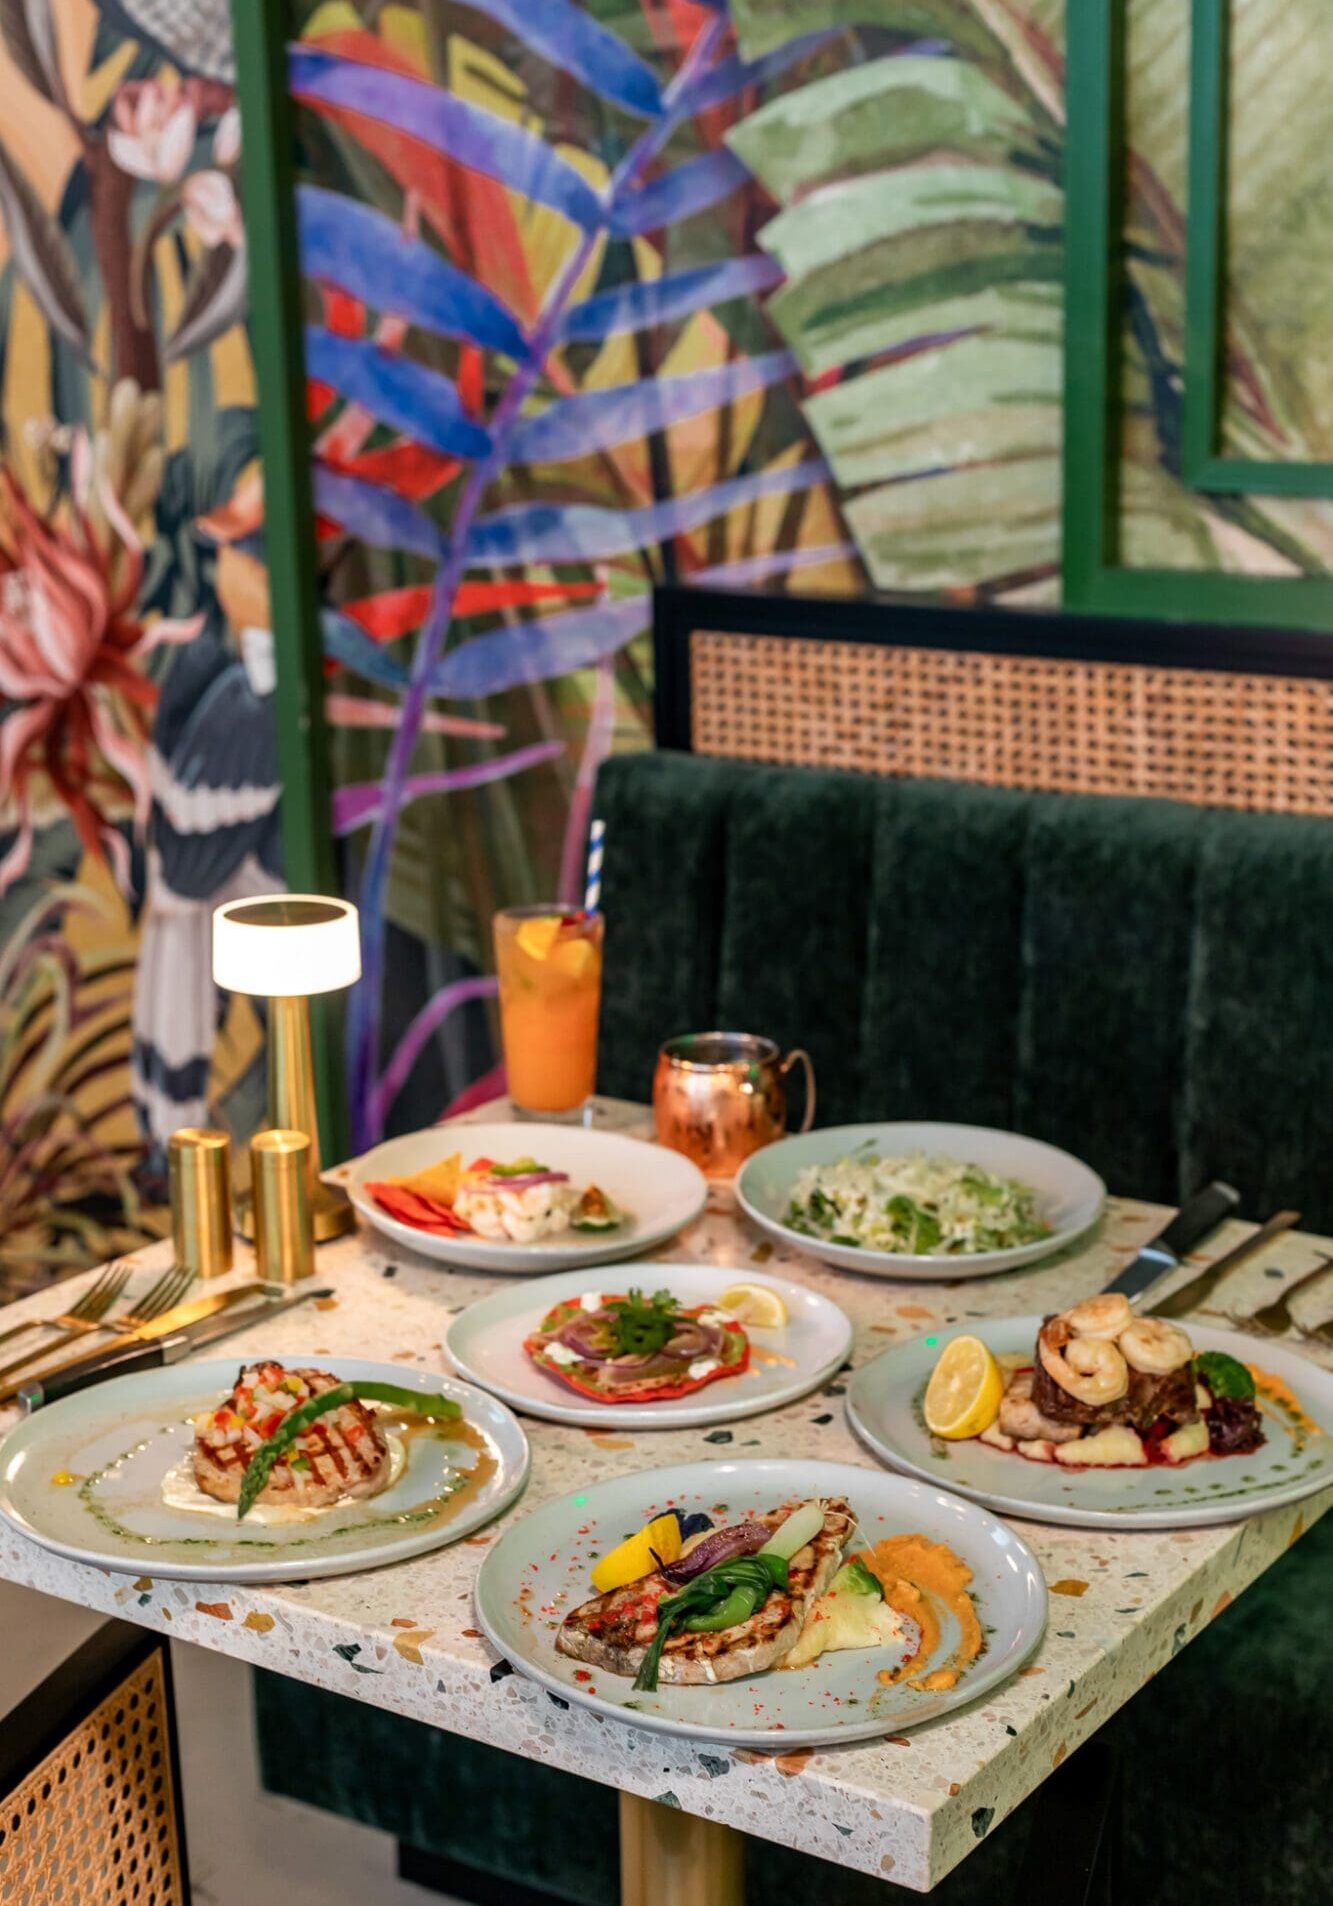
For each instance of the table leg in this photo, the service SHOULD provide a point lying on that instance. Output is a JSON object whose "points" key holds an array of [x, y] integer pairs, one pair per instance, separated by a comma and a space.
{"points": [[671, 1858]]}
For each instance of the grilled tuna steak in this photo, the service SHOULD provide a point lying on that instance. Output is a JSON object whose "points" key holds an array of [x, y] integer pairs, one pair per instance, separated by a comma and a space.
{"points": [[343, 1453], [612, 1631]]}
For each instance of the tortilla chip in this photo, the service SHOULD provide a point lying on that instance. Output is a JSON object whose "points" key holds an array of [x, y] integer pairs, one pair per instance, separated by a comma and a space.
{"points": [[439, 1182]]}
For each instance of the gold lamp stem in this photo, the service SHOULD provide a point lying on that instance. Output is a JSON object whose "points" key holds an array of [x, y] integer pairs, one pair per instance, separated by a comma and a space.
{"points": [[291, 1108], [291, 1075]]}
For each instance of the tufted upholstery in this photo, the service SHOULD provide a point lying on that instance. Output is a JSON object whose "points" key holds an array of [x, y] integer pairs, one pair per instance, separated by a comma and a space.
{"points": [[1145, 983]]}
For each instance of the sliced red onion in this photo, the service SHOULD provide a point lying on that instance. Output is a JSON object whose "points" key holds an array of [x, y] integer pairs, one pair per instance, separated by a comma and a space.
{"points": [[525, 1183], [723, 1545]]}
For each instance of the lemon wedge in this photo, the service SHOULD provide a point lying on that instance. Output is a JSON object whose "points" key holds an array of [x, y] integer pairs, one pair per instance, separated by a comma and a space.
{"points": [[573, 957], [755, 1306], [538, 935], [963, 1395], [635, 1556]]}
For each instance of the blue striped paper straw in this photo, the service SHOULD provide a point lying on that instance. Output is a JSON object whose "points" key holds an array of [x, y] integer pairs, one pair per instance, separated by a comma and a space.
{"points": [[592, 898]]}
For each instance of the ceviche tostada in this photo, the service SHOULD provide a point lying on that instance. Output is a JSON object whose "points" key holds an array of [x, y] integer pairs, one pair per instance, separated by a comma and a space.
{"points": [[918, 1205], [519, 1202], [687, 1601], [1102, 1388], [630, 1348]]}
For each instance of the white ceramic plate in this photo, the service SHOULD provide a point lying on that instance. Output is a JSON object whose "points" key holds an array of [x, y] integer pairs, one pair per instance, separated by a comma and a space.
{"points": [[659, 1191], [119, 1438], [485, 1345], [884, 1404], [1070, 1195], [539, 1569]]}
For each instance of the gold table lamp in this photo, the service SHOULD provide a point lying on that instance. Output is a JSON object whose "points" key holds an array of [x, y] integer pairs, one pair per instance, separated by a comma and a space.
{"points": [[286, 947]]}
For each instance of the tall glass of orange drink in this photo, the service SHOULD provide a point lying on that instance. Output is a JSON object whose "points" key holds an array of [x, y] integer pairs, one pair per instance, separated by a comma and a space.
{"points": [[549, 964]]}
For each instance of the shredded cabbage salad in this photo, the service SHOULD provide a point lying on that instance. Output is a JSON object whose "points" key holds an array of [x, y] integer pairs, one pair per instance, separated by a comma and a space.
{"points": [[916, 1205]]}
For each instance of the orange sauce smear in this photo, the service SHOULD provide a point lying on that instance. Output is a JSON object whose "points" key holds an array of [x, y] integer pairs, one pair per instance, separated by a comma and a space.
{"points": [[915, 1574]]}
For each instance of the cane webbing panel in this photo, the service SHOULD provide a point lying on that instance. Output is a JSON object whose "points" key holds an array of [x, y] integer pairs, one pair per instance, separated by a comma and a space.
{"points": [[95, 1822], [1061, 726]]}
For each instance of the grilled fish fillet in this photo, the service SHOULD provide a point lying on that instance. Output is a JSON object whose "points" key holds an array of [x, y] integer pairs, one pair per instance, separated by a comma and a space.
{"points": [[612, 1631], [341, 1454]]}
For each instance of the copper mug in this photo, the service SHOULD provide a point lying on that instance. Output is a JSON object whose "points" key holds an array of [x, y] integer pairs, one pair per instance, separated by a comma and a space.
{"points": [[718, 1096]]}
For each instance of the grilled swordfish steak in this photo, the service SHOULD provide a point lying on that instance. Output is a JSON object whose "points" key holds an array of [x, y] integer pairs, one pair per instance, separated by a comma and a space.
{"points": [[343, 1453], [612, 1631]]}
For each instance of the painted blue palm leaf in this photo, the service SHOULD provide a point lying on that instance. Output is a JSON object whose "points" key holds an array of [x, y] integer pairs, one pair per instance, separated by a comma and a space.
{"points": [[348, 244], [579, 533], [600, 419], [539, 651], [424, 404], [678, 194], [377, 516], [680, 294], [734, 74], [346, 641], [571, 39], [461, 131]]}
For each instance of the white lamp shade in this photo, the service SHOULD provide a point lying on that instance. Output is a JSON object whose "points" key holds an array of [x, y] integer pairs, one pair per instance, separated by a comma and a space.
{"points": [[286, 945]]}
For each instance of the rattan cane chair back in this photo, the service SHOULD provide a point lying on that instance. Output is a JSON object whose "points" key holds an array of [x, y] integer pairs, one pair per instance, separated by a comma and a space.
{"points": [[93, 1818], [1045, 701]]}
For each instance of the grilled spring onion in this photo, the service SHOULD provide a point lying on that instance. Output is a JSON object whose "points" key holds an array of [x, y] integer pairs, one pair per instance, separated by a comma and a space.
{"points": [[299, 1419], [720, 1598]]}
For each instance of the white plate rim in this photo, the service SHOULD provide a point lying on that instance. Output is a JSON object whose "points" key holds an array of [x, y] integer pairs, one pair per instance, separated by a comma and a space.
{"points": [[489, 1412], [521, 1260], [1192, 1516], [924, 1268], [841, 1477], [724, 1409]]}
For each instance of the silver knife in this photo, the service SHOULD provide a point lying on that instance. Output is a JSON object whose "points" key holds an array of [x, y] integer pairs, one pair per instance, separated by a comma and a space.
{"points": [[122, 1359], [1163, 1254], [1189, 1295]]}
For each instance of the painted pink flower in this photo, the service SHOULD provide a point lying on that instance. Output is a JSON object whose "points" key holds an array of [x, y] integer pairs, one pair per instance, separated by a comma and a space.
{"points": [[212, 209], [70, 643], [152, 130]]}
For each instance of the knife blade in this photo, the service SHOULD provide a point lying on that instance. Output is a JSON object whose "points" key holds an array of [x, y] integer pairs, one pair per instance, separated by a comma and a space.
{"points": [[123, 1359], [1189, 1296], [179, 1317], [1160, 1255]]}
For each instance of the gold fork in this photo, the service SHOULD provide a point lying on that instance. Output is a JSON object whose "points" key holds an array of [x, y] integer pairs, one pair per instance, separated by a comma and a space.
{"points": [[83, 1315], [1276, 1318], [156, 1300]]}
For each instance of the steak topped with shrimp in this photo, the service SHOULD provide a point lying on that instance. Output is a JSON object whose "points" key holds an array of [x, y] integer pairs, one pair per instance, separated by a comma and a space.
{"points": [[343, 1453]]}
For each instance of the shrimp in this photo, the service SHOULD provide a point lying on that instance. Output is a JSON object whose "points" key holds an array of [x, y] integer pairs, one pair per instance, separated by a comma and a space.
{"points": [[1021, 1419], [1105, 1315], [1090, 1369], [1154, 1347]]}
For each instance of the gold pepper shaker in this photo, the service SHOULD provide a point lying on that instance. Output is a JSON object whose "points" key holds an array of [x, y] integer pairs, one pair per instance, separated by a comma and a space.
{"points": [[199, 1165], [284, 1228]]}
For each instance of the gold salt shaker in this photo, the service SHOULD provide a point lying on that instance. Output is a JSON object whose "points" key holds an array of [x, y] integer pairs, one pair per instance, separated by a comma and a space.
{"points": [[280, 1188], [199, 1165]]}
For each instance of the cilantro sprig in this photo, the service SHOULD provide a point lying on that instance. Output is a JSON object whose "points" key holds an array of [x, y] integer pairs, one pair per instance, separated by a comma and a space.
{"points": [[641, 1325]]}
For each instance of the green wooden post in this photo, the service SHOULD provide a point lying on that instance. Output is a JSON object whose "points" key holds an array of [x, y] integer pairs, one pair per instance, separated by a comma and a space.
{"points": [[276, 321]]}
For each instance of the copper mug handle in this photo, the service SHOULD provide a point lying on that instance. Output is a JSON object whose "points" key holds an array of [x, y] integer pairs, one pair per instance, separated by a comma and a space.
{"points": [[785, 1066]]}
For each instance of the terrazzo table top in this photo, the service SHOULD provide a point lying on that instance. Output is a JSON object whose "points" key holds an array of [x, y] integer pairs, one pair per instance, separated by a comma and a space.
{"points": [[908, 1808]]}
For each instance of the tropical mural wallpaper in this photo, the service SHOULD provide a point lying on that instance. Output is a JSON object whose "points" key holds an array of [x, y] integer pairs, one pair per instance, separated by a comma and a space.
{"points": [[758, 293]]}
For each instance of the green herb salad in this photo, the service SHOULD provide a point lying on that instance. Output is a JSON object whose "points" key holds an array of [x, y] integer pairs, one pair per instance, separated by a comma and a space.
{"points": [[917, 1206]]}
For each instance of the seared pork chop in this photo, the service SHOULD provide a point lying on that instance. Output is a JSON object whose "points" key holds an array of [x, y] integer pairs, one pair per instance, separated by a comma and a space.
{"points": [[343, 1453], [612, 1631]]}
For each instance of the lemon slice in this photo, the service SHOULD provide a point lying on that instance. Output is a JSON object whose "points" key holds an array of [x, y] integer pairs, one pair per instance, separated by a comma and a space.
{"points": [[634, 1557], [538, 935], [963, 1395], [755, 1306]]}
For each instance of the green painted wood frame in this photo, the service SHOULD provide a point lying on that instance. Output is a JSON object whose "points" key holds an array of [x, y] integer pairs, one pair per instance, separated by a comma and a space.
{"points": [[268, 160], [1204, 465], [1094, 577]]}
